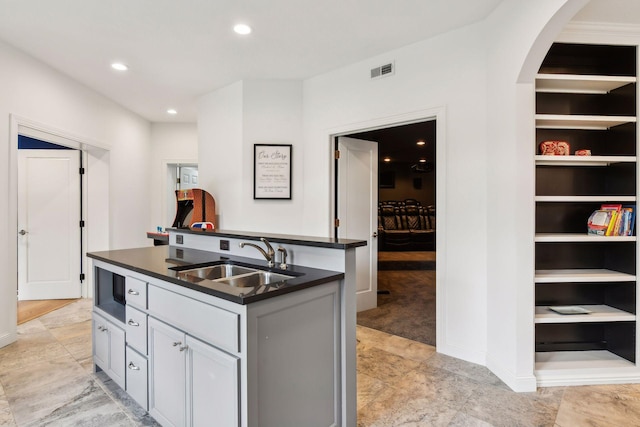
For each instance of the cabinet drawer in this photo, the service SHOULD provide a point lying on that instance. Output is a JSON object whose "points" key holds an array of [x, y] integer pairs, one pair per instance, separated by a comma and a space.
{"points": [[211, 324], [136, 293], [136, 327], [137, 377]]}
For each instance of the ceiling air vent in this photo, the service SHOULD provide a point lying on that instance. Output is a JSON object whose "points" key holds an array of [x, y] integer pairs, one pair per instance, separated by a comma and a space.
{"points": [[383, 70]]}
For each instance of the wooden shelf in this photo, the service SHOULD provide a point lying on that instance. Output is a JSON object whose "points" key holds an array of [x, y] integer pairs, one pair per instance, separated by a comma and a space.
{"points": [[599, 199], [568, 121], [579, 83], [576, 360], [582, 160], [582, 237], [599, 313], [584, 343], [582, 275]]}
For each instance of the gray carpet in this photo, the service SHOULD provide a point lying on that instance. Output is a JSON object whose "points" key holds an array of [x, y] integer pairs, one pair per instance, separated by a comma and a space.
{"points": [[409, 309]]}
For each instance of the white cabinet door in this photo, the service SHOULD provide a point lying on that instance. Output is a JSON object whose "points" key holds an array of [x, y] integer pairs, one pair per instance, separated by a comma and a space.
{"points": [[137, 377], [100, 342], [167, 368], [108, 348], [213, 389], [117, 359]]}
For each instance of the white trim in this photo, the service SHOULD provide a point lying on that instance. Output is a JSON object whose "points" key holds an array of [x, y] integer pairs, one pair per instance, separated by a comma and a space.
{"points": [[8, 338], [439, 115], [33, 129], [600, 33], [516, 383], [27, 127]]}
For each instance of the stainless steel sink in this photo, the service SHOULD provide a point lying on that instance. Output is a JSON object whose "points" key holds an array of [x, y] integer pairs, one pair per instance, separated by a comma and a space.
{"points": [[258, 278], [231, 275], [213, 272]]}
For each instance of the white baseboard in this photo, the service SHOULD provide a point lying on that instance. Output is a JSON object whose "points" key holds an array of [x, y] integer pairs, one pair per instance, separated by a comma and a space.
{"points": [[517, 383], [478, 358], [8, 338]]}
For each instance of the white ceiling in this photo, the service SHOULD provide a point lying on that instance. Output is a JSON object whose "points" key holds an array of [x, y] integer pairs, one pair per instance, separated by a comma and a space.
{"points": [[179, 50]]}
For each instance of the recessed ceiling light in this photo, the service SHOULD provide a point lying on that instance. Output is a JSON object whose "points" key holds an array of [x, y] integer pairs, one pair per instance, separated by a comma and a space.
{"points": [[423, 160], [242, 29], [119, 66], [387, 159], [421, 142], [172, 111]]}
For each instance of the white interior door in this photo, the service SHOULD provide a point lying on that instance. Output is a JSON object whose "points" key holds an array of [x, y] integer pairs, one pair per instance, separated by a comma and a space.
{"points": [[48, 224], [357, 211]]}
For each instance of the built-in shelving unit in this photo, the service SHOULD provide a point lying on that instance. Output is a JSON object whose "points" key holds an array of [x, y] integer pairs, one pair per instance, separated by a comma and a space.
{"points": [[585, 95]]}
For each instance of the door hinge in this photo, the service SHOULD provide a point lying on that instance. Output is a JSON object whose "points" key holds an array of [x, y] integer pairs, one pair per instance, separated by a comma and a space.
{"points": [[337, 222], [337, 154], [81, 223], [81, 277], [81, 171]]}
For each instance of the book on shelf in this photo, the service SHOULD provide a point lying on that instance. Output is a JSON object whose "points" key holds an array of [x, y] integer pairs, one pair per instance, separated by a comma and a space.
{"points": [[599, 222], [612, 220], [615, 209], [630, 219]]}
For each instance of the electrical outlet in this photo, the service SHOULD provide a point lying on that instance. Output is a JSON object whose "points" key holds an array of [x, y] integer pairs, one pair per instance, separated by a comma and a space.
{"points": [[179, 239], [224, 245]]}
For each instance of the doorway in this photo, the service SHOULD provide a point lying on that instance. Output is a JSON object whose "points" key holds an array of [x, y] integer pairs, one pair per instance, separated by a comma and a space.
{"points": [[49, 221], [179, 176], [406, 238]]}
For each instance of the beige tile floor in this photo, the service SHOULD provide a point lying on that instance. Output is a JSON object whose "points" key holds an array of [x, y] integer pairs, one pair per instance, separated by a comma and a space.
{"points": [[46, 379]]}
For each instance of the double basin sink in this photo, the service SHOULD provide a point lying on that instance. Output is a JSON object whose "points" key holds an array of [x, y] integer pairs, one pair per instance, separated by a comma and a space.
{"points": [[231, 274]]}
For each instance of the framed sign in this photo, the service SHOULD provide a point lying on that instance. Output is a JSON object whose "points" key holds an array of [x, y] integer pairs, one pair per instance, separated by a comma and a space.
{"points": [[272, 171]]}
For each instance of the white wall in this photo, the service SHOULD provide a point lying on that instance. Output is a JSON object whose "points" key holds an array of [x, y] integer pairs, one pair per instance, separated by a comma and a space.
{"points": [[33, 91], [481, 77], [519, 35], [170, 143], [230, 121], [444, 72]]}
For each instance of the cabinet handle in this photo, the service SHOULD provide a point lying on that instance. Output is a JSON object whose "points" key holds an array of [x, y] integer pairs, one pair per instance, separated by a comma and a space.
{"points": [[100, 327], [177, 343], [131, 322], [132, 292], [133, 367], [183, 347]]}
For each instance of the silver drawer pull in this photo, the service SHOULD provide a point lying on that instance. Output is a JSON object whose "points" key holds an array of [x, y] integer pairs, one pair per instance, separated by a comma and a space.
{"points": [[132, 292], [131, 322], [133, 367]]}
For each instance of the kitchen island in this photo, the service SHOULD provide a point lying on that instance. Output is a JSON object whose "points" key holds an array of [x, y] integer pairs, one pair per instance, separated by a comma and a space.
{"points": [[191, 348]]}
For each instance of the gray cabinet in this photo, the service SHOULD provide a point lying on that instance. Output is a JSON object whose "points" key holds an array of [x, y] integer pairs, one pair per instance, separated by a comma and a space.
{"points": [[167, 373], [137, 378], [192, 359], [109, 348], [212, 385], [190, 380]]}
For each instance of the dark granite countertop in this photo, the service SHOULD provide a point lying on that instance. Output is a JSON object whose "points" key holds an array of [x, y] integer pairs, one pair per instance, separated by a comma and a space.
{"points": [[319, 242], [164, 263]]}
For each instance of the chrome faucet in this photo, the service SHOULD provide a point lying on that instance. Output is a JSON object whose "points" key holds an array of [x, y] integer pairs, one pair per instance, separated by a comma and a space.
{"points": [[283, 259], [269, 254]]}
